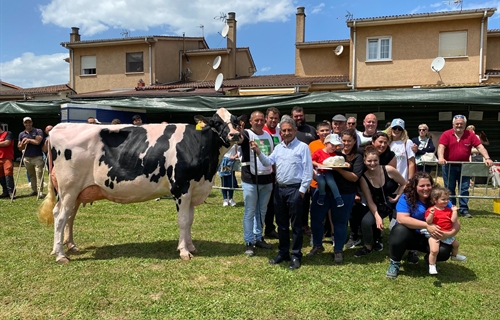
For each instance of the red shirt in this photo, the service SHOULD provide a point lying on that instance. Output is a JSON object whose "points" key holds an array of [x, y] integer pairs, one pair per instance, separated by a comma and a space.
{"points": [[319, 156], [442, 218], [458, 149], [8, 151]]}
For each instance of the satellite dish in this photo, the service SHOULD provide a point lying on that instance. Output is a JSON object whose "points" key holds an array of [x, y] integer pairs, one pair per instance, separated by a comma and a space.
{"points": [[338, 51], [216, 63], [437, 64], [225, 30], [218, 81]]}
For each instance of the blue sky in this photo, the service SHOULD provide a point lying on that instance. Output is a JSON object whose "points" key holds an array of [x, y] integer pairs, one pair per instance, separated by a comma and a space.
{"points": [[31, 30]]}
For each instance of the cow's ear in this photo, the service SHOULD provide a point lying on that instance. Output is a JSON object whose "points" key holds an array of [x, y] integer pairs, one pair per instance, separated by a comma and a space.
{"points": [[201, 122]]}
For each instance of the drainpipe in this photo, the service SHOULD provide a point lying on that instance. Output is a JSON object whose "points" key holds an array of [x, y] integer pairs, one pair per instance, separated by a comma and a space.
{"points": [[72, 68], [353, 78], [150, 64], [481, 79]]}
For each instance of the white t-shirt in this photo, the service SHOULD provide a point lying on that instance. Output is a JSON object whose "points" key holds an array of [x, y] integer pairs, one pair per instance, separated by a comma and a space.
{"points": [[266, 146], [402, 156]]}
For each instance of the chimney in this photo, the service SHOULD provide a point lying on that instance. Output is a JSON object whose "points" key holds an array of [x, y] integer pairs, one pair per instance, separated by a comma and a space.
{"points": [[300, 32], [74, 36], [300, 25], [231, 45]]}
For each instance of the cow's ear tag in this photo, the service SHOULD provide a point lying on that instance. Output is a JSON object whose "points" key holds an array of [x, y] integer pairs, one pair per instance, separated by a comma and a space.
{"points": [[201, 122], [200, 125]]}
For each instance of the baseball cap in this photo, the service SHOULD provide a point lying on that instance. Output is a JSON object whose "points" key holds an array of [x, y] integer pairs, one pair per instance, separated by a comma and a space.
{"points": [[398, 123], [339, 117], [334, 139], [27, 119]]}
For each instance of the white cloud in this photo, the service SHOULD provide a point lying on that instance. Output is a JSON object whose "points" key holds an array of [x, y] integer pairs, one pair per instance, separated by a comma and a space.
{"points": [[173, 16], [30, 71], [265, 69], [318, 8]]}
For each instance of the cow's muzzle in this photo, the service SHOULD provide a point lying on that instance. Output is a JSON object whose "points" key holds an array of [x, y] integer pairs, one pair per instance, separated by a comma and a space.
{"points": [[235, 136]]}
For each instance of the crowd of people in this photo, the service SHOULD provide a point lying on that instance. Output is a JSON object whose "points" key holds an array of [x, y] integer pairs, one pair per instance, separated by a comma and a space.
{"points": [[382, 174], [287, 184]]}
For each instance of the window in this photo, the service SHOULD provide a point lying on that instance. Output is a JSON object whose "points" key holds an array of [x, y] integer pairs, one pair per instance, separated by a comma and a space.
{"points": [[88, 65], [453, 44], [135, 62], [379, 49]]}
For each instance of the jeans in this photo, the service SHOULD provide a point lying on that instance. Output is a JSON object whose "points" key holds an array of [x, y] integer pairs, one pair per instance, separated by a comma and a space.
{"points": [[288, 206], [327, 178], [255, 209], [269, 220], [34, 166], [451, 174], [340, 217], [228, 182]]}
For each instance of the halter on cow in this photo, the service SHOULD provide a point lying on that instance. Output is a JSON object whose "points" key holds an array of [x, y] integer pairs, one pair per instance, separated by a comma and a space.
{"points": [[126, 164]]}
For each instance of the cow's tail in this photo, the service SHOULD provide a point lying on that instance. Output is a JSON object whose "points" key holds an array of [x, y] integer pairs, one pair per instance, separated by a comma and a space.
{"points": [[45, 214]]}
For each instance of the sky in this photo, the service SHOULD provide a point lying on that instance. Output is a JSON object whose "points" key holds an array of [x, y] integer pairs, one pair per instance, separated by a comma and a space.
{"points": [[31, 31]]}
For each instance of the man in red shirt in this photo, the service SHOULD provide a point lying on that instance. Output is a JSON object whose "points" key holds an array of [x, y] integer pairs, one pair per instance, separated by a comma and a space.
{"points": [[6, 163], [456, 145]]}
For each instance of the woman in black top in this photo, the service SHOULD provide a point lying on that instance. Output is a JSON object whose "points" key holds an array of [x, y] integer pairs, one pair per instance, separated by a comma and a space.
{"points": [[346, 179], [382, 186], [380, 140]]}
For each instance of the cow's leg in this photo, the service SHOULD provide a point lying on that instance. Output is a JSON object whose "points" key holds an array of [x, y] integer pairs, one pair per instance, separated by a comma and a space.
{"points": [[62, 211], [68, 231], [185, 214]]}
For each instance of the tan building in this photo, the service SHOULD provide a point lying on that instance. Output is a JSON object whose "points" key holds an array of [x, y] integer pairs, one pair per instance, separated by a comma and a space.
{"points": [[397, 51], [115, 64]]}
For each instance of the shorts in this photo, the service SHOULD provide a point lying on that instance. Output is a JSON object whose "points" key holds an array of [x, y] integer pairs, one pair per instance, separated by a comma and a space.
{"points": [[446, 240]]}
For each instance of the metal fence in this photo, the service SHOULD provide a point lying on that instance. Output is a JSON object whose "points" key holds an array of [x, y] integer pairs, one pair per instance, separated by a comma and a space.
{"points": [[490, 189]]}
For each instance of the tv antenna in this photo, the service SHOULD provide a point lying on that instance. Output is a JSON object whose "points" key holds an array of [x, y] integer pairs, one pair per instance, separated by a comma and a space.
{"points": [[218, 81], [458, 3], [202, 27], [125, 33], [349, 16], [222, 17], [438, 65], [338, 50]]}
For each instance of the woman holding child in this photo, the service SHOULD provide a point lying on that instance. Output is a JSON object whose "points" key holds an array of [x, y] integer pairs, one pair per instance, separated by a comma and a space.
{"points": [[346, 179], [406, 235], [382, 186]]}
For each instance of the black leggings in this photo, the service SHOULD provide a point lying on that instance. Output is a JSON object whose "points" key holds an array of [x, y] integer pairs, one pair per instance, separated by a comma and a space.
{"points": [[403, 238]]}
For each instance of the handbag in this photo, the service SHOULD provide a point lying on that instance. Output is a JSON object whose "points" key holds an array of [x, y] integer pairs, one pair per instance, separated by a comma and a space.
{"points": [[428, 157]]}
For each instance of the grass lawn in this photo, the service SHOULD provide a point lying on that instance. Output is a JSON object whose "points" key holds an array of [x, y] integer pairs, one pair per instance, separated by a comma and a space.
{"points": [[128, 268]]}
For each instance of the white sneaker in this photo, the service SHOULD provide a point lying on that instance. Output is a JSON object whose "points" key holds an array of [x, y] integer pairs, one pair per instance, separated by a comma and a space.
{"points": [[225, 203], [432, 269], [232, 203], [458, 257]]}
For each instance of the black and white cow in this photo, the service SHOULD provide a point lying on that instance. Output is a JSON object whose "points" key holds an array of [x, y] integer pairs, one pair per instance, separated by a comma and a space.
{"points": [[126, 164]]}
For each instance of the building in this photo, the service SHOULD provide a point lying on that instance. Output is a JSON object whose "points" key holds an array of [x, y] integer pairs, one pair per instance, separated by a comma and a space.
{"points": [[129, 62]]}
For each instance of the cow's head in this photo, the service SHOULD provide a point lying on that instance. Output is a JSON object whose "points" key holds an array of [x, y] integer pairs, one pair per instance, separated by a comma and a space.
{"points": [[224, 124]]}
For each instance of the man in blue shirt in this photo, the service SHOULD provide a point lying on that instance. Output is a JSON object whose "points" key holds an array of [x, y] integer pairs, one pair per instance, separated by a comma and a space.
{"points": [[30, 142], [294, 172]]}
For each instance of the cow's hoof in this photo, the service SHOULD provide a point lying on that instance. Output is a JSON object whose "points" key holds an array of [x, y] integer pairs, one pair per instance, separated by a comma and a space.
{"points": [[53, 252], [73, 249], [186, 257], [63, 260]]}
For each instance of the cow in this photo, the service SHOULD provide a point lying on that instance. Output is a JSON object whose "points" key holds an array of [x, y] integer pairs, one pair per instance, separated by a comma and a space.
{"points": [[128, 163]]}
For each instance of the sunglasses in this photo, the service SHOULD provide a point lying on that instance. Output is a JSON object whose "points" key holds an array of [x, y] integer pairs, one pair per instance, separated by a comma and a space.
{"points": [[458, 116], [351, 123], [397, 129], [422, 129]]}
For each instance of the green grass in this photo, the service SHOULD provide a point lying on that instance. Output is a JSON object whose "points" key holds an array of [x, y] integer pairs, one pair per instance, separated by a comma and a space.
{"points": [[128, 268]]}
